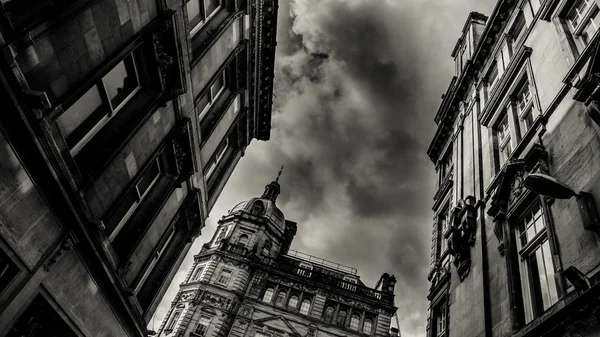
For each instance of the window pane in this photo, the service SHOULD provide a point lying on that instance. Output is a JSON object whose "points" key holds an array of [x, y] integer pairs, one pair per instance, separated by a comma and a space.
{"points": [[293, 303], [546, 275], [85, 107], [354, 322], [341, 318], [120, 82], [280, 298], [148, 178], [216, 87], [194, 15], [203, 105], [198, 273], [305, 307], [211, 6], [224, 277], [268, 296], [367, 326], [328, 316], [123, 211]]}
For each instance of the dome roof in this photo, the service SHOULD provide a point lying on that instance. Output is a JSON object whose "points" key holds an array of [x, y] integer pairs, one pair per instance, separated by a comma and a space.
{"points": [[264, 207]]}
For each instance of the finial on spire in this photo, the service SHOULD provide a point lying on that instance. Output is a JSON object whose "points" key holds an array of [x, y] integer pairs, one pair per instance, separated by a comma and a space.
{"points": [[279, 174]]}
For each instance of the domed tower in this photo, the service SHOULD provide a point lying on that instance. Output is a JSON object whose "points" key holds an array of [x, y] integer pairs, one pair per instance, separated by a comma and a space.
{"points": [[247, 282]]}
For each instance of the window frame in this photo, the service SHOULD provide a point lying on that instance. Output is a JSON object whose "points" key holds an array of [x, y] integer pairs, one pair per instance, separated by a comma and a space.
{"points": [[205, 18], [354, 322], [504, 137], [532, 297], [289, 302], [305, 300], [370, 330], [220, 152], [328, 316], [223, 272], [281, 301], [212, 98], [174, 318], [205, 327], [139, 197], [198, 272], [106, 106], [271, 292]]}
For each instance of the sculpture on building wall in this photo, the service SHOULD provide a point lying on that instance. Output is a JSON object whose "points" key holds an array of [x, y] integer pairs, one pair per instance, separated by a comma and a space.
{"points": [[462, 235]]}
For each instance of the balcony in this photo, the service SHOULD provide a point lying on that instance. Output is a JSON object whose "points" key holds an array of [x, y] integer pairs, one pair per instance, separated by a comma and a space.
{"points": [[315, 276]]}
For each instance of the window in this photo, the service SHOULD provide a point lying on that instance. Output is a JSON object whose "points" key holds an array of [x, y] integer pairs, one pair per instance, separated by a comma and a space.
{"points": [[84, 118], [8, 271], [536, 266], [504, 141], [354, 320], [266, 248], [224, 277], [203, 324], [157, 255], [39, 319], [305, 307], [293, 302], [341, 318], [328, 314], [445, 167], [367, 326], [268, 296], [173, 320], [440, 317], [133, 199], [198, 273], [200, 11], [280, 301], [492, 77], [214, 162], [243, 240], [443, 224], [517, 32], [525, 106], [305, 269], [209, 98], [583, 21]]}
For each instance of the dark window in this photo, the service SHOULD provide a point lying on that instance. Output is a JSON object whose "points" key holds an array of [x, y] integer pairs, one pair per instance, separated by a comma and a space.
{"points": [[440, 319], [84, 118], [8, 271], [40, 320], [280, 300], [200, 12], [243, 240], [341, 318], [328, 314], [583, 21]]}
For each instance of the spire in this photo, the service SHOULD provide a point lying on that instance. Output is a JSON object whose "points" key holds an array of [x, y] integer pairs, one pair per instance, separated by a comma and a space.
{"points": [[272, 190]]}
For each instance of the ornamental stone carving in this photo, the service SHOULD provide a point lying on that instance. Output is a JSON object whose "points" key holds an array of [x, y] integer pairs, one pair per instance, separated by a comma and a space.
{"points": [[462, 235]]}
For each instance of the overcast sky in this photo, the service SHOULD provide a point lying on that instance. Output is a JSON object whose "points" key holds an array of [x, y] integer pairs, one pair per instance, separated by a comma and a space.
{"points": [[357, 83]]}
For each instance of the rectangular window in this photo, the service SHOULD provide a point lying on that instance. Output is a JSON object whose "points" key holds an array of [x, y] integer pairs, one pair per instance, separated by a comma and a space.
{"points": [[524, 103], [504, 141], [173, 320], [198, 273], [200, 12], [214, 162], [134, 198], [536, 266], [224, 277], [202, 326], [441, 318], [209, 98], [517, 32], [446, 166], [84, 118], [443, 224], [492, 77], [583, 21], [8, 271]]}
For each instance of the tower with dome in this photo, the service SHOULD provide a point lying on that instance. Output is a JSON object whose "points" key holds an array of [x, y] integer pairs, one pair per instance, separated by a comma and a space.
{"points": [[247, 282]]}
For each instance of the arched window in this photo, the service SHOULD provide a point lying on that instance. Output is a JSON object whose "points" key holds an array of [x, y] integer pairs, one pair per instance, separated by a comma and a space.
{"points": [[293, 302], [243, 240], [354, 322], [268, 296], [280, 301], [305, 307], [328, 315], [258, 208], [367, 326], [341, 318], [198, 273]]}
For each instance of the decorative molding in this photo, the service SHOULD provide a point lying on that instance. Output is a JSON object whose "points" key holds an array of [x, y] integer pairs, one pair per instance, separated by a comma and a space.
{"points": [[462, 235]]}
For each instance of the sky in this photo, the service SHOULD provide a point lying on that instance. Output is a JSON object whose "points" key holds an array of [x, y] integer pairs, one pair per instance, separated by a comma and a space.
{"points": [[357, 83]]}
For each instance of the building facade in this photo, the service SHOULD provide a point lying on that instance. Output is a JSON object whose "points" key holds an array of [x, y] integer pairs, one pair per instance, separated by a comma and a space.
{"points": [[515, 246], [121, 122], [246, 281]]}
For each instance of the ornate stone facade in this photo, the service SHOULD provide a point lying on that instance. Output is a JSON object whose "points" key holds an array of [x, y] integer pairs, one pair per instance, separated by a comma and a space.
{"points": [[252, 284]]}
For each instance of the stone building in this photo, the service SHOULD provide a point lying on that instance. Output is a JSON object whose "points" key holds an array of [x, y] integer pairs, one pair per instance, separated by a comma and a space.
{"points": [[121, 121], [515, 248], [246, 281]]}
